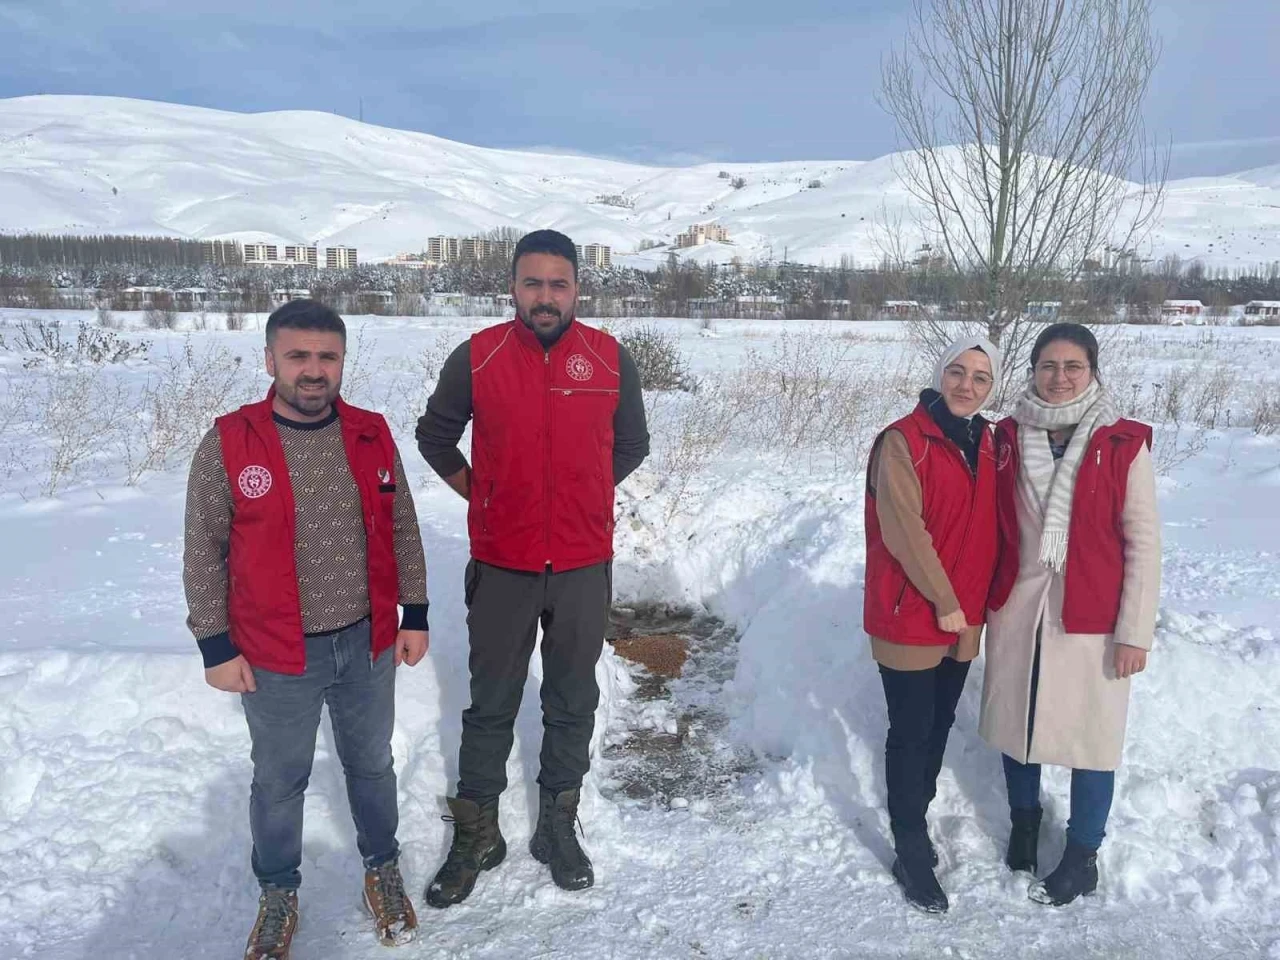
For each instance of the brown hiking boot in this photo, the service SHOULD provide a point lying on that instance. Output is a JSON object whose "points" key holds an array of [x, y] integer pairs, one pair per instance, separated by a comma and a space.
{"points": [[477, 845], [385, 899], [272, 934]]}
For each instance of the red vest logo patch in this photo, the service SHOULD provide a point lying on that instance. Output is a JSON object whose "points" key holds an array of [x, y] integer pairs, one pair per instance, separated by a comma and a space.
{"points": [[254, 481], [579, 368]]}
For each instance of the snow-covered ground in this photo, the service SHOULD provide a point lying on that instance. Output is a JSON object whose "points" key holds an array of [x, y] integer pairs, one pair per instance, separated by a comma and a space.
{"points": [[90, 165], [124, 779]]}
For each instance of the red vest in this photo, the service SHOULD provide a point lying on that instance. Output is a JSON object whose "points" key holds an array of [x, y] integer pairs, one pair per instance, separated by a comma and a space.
{"points": [[263, 606], [1095, 549], [542, 447], [960, 514]]}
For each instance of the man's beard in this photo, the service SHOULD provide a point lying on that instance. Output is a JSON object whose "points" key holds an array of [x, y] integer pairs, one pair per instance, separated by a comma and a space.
{"points": [[547, 311], [308, 403]]}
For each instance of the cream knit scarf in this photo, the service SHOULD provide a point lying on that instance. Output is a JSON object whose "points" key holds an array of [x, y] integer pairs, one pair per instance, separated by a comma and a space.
{"points": [[1050, 483]]}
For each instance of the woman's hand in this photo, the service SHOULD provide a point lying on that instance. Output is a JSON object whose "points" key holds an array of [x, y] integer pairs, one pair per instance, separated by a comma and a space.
{"points": [[1129, 660], [953, 622]]}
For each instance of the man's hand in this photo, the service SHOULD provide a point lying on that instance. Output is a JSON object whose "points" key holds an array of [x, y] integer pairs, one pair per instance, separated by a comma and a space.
{"points": [[954, 622], [234, 676], [411, 646], [1129, 660]]}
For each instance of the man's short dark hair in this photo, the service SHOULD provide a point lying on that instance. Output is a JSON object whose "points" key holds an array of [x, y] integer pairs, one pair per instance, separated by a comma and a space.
{"points": [[305, 315], [546, 241]]}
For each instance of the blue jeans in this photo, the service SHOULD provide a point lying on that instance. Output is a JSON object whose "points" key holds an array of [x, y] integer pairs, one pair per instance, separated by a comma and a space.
{"points": [[284, 715], [1091, 792]]}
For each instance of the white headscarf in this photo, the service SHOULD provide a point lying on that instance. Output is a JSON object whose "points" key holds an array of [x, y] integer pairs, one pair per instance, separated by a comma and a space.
{"points": [[952, 352]]}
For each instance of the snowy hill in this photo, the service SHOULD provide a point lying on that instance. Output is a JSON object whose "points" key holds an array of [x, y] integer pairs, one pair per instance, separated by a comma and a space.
{"points": [[99, 164]]}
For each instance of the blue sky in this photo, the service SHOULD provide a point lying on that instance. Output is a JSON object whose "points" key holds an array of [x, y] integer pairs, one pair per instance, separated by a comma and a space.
{"points": [[646, 80]]}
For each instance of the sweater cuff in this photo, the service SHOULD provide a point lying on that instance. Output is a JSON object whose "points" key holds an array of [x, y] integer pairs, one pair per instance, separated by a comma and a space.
{"points": [[217, 649], [446, 464], [415, 616]]}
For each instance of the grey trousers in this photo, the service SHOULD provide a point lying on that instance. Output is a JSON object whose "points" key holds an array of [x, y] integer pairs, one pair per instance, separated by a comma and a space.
{"points": [[504, 610]]}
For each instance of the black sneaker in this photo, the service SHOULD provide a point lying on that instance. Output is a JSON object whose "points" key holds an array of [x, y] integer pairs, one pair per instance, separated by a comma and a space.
{"points": [[555, 843], [477, 845]]}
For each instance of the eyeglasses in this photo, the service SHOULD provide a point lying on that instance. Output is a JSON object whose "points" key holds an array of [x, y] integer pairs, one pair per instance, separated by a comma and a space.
{"points": [[1072, 369], [958, 374]]}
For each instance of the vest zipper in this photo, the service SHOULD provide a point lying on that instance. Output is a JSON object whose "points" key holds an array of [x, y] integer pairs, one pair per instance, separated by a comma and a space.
{"points": [[1098, 469], [546, 365]]}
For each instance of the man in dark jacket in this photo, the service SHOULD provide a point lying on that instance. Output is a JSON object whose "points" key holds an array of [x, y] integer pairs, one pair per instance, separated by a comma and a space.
{"points": [[558, 422]]}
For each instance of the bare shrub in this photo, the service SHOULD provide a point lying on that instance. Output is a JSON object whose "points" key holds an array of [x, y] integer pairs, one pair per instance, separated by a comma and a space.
{"points": [[814, 393], [234, 320], [1265, 412], [107, 319], [805, 395], [160, 316], [174, 407], [658, 358], [357, 373], [405, 398], [1175, 444], [58, 418], [43, 343]]}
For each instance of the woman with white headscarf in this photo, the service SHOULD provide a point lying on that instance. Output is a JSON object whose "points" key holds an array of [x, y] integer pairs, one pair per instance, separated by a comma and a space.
{"points": [[931, 551], [1073, 602]]}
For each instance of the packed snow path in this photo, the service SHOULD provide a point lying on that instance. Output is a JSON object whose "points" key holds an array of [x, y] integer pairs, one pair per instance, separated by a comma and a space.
{"points": [[124, 779]]}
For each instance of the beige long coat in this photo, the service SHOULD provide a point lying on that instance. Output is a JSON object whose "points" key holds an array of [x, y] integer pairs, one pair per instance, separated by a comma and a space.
{"points": [[1081, 706]]}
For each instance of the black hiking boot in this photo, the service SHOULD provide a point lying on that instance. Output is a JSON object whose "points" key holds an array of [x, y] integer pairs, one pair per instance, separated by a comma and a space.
{"points": [[1024, 840], [555, 843], [913, 869], [477, 845], [1076, 875]]}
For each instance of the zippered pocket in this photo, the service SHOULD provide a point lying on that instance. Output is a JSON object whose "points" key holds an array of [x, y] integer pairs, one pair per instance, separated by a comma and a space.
{"points": [[484, 510], [897, 606]]}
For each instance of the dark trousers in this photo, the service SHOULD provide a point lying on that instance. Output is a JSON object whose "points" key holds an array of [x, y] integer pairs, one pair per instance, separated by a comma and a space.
{"points": [[284, 715], [504, 610], [922, 708], [1091, 790]]}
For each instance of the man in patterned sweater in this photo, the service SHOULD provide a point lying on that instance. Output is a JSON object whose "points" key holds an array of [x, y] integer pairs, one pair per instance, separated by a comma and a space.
{"points": [[301, 541]]}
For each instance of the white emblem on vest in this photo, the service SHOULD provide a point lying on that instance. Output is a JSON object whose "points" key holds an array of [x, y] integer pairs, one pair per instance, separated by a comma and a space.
{"points": [[579, 368], [254, 481]]}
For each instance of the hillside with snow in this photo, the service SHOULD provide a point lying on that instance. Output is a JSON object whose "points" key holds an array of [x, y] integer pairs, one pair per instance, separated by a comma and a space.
{"points": [[108, 165]]}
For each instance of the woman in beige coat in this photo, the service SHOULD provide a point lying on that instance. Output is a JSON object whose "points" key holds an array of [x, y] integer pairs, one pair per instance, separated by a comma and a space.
{"points": [[1073, 604]]}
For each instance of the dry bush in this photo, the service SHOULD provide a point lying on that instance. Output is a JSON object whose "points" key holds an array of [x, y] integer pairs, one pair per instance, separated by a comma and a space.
{"points": [[42, 342], [1265, 412], [107, 319], [658, 358], [405, 396], [58, 418], [357, 372], [160, 317], [169, 415], [806, 395], [234, 320], [1175, 444]]}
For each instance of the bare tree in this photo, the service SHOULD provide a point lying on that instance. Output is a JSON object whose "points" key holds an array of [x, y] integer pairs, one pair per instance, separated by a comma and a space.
{"points": [[1021, 125]]}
